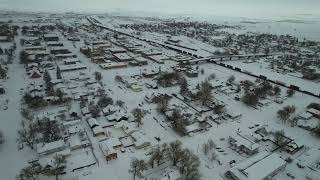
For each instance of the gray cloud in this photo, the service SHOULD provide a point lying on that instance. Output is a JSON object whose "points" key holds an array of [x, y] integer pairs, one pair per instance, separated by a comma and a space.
{"points": [[251, 8]]}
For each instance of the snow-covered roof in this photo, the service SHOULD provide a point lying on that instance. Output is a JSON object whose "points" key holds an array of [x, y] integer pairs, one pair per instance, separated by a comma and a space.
{"points": [[106, 148], [75, 142], [75, 129], [139, 139], [305, 115], [97, 130], [258, 167], [122, 56], [50, 147], [113, 142], [128, 127], [170, 174], [159, 57], [72, 67], [314, 111], [127, 141], [117, 50], [192, 127], [241, 140], [79, 161], [112, 65]]}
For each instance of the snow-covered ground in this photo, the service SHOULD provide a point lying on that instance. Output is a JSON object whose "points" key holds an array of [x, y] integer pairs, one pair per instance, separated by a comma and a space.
{"points": [[155, 124]]}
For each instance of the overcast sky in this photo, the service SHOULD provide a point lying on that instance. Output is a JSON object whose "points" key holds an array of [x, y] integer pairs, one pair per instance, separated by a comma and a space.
{"points": [[250, 8]]}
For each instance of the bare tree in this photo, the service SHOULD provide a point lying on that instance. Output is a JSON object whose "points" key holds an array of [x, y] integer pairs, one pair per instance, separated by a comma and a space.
{"points": [[27, 135], [158, 154], [137, 167], [162, 104], [212, 76], [219, 109], [50, 130], [285, 113], [58, 165], [279, 138], [98, 76], [213, 155], [189, 165], [1, 137], [174, 151], [26, 113], [231, 79], [250, 99], [277, 90], [178, 122], [94, 110], [205, 93], [120, 103], [184, 87], [138, 115], [104, 101], [3, 72], [30, 172], [205, 148], [209, 149], [316, 130], [290, 92]]}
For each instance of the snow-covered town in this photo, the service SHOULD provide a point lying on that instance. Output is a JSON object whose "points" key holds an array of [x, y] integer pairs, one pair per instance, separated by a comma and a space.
{"points": [[119, 96]]}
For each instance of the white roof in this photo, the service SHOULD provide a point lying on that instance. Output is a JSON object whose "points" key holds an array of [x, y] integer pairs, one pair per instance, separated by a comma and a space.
{"points": [[159, 57], [93, 122], [193, 127], [117, 49], [305, 115], [171, 174], [75, 129], [123, 56], [112, 64], [246, 142], [74, 142], [139, 138], [265, 167], [81, 160], [127, 127], [106, 148], [51, 35], [113, 142], [43, 148], [140, 59], [97, 130], [258, 167], [127, 141], [72, 67], [3, 37], [314, 111]]}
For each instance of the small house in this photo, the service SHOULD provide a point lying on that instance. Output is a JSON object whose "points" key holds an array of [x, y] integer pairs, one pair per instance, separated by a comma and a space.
{"points": [[50, 37], [98, 131], [108, 152], [140, 141], [52, 147], [261, 166], [93, 122], [240, 143]]}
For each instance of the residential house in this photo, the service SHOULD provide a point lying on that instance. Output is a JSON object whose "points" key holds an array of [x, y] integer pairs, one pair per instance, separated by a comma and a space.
{"points": [[241, 143], [52, 147], [108, 152], [262, 166]]}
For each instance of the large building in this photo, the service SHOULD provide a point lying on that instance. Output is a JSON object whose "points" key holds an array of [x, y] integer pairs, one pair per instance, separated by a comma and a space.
{"points": [[262, 166]]}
